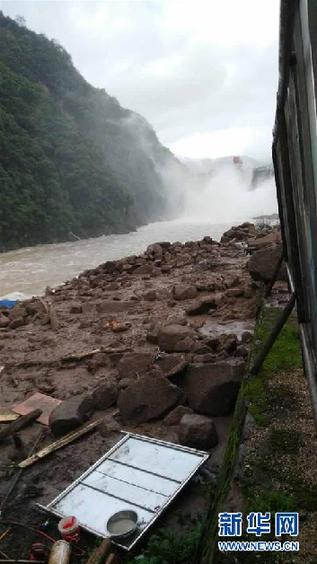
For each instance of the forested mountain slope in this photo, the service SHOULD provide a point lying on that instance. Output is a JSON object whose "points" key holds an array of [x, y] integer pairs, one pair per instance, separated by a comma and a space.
{"points": [[72, 160]]}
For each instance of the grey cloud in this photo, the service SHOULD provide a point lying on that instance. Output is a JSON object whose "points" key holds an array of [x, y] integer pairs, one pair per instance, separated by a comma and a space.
{"points": [[182, 86]]}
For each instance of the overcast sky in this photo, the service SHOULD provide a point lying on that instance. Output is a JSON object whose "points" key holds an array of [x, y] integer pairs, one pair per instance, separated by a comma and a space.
{"points": [[203, 73]]}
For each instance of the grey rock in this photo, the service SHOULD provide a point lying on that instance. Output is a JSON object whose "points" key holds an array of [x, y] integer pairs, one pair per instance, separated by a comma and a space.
{"points": [[146, 399], [71, 413], [135, 363], [197, 431], [105, 395], [212, 389], [203, 305], [174, 417], [171, 337]]}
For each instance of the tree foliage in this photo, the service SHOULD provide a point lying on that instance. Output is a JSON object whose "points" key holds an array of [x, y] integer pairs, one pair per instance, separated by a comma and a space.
{"points": [[71, 158]]}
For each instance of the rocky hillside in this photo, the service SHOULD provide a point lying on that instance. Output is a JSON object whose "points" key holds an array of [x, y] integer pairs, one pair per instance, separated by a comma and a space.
{"points": [[72, 160]]}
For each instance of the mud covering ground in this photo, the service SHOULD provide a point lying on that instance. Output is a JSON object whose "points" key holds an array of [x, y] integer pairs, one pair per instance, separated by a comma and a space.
{"points": [[109, 326]]}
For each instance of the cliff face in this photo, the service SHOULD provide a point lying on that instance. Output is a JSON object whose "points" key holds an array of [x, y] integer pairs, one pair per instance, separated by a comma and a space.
{"points": [[71, 158]]}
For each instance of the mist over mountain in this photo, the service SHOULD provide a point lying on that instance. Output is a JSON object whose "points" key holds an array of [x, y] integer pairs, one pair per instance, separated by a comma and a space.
{"points": [[72, 160]]}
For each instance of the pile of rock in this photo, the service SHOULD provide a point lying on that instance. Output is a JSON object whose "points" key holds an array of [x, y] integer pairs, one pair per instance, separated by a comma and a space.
{"points": [[241, 232]]}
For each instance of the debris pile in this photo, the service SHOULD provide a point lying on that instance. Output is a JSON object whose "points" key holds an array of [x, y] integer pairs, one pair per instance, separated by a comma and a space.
{"points": [[153, 344]]}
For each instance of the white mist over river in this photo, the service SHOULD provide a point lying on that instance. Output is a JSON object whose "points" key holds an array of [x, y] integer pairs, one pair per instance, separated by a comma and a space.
{"points": [[225, 200]]}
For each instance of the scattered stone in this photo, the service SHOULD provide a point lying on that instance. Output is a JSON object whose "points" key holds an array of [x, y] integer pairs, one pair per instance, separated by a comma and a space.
{"points": [[105, 395], [144, 269], [113, 307], [212, 389], [76, 308], [98, 360], [171, 338], [125, 382], [242, 351], [172, 364], [263, 263], [17, 312], [135, 363], [17, 322], [147, 399], [184, 292], [4, 321], [119, 327], [174, 416], [246, 337], [235, 292], [109, 425], [203, 305], [71, 413], [204, 358], [197, 431], [156, 271], [152, 333], [150, 296], [154, 251]]}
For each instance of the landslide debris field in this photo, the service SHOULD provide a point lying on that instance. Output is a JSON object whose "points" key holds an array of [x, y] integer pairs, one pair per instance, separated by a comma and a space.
{"points": [[154, 344]]}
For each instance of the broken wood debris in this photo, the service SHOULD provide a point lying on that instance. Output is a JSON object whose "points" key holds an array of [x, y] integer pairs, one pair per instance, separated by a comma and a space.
{"points": [[21, 422], [56, 445], [69, 358], [7, 415], [99, 554]]}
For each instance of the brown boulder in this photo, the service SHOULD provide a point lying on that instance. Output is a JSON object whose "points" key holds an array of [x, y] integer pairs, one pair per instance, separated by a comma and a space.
{"points": [[172, 364], [173, 338], [174, 416], [70, 414], [203, 305], [212, 389], [262, 264], [184, 292], [150, 296], [144, 269], [197, 431], [76, 308], [105, 395], [147, 398], [135, 363], [154, 251]]}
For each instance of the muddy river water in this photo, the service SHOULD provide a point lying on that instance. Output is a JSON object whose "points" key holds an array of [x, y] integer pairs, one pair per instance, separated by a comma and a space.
{"points": [[26, 272]]}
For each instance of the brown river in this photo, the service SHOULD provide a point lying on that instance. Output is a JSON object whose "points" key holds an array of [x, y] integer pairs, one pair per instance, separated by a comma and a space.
{"points": [[26, 272]]}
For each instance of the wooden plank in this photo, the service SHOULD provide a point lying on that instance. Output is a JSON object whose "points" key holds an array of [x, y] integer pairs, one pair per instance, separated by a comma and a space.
{"points": [[23, 421], [60, 443], [7, 415]]}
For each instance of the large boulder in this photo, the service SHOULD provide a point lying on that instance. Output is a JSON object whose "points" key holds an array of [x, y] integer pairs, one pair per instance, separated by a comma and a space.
{"points": [[154, 251], [239, 233], [105, 395], [172, 365], [212, 389], [135, 363], [147, 398], [266, 241], [197, 431], [70, 414], [262, 263], [175, 338]]}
